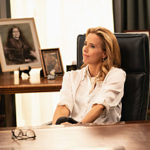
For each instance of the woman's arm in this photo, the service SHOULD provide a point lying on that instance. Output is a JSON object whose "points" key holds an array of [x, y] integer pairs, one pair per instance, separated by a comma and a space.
{"points": [[93, 114], [61, 111]]}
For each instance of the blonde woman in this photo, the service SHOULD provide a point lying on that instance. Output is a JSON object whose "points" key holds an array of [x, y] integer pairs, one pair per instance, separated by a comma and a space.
{"points": [[93, 94]]}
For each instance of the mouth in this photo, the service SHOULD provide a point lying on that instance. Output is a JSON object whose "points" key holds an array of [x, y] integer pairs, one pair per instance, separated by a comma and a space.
{"points": [[84, 55]]}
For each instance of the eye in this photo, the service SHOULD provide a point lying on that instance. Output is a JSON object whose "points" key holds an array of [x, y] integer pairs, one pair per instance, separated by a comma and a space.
{"points": [[92, 45]]}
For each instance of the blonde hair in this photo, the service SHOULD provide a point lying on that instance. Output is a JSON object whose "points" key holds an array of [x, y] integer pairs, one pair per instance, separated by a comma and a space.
{"points": [[110, 46]]}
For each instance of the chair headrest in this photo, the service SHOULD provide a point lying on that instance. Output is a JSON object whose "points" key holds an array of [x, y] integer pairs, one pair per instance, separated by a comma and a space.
{"points": [[134, 52]]}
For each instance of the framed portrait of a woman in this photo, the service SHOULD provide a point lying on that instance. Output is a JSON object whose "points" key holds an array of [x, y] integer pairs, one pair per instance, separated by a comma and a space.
{"points": [[19, 44]]}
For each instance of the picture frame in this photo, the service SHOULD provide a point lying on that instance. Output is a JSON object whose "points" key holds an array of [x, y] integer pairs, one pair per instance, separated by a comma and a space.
{"points": [[51, 60], [19, 44]]}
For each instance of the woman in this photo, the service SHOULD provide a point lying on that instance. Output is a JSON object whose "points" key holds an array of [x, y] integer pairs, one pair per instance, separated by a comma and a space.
{"points": [[18, 50], [93, 94]]}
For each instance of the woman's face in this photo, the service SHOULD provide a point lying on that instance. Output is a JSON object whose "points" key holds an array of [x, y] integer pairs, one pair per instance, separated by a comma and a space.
{"points": [[16, 33], [92, 51]]}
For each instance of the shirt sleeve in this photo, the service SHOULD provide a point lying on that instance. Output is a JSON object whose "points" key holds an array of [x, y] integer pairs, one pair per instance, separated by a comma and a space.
{"points": [[112, 90], [66, 96]]}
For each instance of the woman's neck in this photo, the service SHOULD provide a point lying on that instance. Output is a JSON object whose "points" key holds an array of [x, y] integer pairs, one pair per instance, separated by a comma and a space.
{"points": [[94, 70]]}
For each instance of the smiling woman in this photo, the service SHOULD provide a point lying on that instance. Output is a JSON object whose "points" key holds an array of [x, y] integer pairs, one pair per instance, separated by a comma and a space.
{"points": [[57, 29]]}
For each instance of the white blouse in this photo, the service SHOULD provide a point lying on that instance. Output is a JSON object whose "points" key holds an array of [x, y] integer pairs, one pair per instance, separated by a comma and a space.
{"points": [[76, 94]]}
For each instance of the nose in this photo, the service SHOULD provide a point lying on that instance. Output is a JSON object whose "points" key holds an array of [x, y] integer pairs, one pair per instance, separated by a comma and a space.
{"points": [[85, 48]]}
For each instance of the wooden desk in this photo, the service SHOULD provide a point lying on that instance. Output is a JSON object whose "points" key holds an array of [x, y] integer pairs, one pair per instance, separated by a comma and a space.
{"points": [[131, 136], [10, 85]]}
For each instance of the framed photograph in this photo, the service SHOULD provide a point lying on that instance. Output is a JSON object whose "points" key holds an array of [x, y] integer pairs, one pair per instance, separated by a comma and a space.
{"points": [[51, 61], [19, 44]]}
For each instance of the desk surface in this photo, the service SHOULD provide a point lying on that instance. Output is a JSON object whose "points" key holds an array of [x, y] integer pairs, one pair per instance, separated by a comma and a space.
{"points": [[9, 84], [132, 136]]}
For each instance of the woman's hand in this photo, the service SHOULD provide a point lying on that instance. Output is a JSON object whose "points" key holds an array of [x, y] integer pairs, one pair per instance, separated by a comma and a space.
{"points": [[60, 111], [66, 123], [94, 113]]}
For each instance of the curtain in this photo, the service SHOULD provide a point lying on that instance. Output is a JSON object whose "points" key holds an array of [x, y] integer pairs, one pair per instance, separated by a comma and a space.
{"points": [[58, 23], [131, 15], [7, 102], [5, 9]]}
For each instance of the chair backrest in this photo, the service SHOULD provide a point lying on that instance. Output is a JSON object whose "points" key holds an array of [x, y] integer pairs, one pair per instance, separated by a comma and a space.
{"points": [[135, 61]]}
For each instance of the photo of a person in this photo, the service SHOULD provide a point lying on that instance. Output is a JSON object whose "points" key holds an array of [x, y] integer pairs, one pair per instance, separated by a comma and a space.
{"points": [[52, 61], [17, 50], [19, 44]]}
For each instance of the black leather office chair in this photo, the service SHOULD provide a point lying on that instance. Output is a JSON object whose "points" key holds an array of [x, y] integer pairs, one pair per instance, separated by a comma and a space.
{"points": [[135, 61]]}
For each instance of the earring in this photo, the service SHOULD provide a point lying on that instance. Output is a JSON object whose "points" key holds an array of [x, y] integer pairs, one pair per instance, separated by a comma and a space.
{"points": [[103, 59]]}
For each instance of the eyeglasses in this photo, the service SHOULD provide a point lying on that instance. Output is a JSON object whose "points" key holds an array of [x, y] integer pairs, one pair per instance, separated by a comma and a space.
{"points": [[23, 134]]}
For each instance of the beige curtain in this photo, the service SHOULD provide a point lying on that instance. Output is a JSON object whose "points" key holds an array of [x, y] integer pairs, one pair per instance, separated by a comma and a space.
{"points": [[58, 23]]}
